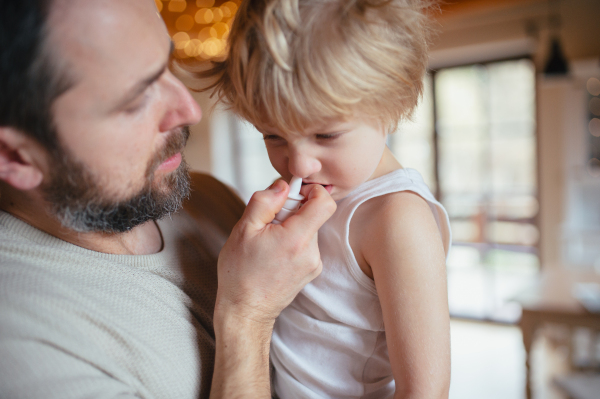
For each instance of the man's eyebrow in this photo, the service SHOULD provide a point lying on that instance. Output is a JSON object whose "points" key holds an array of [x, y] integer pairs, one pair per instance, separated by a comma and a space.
{"points": [[142, 85]]}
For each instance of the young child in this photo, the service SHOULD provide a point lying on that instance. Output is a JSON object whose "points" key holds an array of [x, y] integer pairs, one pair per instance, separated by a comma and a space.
{"points": [[324, 81]]}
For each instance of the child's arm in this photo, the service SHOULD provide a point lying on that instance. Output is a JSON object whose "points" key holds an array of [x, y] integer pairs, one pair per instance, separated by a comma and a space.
{"points": [[401, 244]]}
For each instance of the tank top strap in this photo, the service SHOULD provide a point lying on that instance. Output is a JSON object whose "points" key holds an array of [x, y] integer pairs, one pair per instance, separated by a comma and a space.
{"points": [[396, 181]]}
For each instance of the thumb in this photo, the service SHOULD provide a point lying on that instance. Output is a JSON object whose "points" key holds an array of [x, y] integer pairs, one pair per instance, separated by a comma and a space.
{"points": [[263, 205], [316, 210]]}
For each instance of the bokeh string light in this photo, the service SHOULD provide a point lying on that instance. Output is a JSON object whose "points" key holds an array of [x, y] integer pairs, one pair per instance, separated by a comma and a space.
{"points": [[594, 127], [177, 5], [593, 164], [593, 86], [595, 106], [199, 28]]}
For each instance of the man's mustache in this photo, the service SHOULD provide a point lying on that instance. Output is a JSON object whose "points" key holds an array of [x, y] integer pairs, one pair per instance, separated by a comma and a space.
{"points": [[175, 143]]}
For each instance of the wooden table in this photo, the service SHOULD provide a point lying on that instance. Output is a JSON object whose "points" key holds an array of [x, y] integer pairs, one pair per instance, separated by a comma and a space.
{"points": [[552, 302]]}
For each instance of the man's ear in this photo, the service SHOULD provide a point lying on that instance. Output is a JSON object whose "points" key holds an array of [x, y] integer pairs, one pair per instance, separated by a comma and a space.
{"points": [[20, 159]]}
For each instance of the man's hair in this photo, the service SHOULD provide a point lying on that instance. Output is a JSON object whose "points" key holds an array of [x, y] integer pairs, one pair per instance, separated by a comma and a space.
{"points": [[30, 79], [298, 63]]}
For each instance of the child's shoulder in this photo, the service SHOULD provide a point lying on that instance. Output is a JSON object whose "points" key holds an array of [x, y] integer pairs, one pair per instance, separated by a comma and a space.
{"points": [[395, 211], [386, 224]]}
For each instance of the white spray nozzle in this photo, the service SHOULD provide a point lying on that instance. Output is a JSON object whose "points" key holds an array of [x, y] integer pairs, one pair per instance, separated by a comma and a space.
{"points": [[295, 186], [292, 203]]}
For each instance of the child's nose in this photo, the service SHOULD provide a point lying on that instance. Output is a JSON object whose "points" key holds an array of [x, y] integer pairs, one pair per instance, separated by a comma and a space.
{"points": [[303, 165]]}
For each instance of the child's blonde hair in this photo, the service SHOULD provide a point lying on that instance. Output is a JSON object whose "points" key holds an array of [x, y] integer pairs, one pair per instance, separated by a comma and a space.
{"points": [[292, 64]]}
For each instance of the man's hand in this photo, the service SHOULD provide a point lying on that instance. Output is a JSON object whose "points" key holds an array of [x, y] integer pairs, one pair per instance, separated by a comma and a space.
{"points": [[261, 269], [263, 266]]}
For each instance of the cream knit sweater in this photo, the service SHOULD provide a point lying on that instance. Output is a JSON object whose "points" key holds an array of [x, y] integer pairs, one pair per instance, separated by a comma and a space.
{"points": [[75, 323]]}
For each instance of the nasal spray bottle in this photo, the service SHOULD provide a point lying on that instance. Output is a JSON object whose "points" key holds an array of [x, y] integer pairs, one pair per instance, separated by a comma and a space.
{"points": [[292, 204]]}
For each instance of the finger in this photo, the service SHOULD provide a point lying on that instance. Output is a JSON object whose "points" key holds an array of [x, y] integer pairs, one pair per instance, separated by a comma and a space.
{"points": [[318, 208], [305, 190], [265, 204]]}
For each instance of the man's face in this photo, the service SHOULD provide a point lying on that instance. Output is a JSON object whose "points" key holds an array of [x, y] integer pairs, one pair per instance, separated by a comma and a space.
{"points": [[122, 124], [80, 203]]}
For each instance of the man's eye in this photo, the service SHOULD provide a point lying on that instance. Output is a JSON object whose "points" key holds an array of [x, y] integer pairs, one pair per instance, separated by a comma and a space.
{"points": [[137, 105]]}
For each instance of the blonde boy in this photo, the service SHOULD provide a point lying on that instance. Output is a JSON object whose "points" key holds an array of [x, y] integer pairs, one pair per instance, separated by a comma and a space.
{"points": [[325, 81]]}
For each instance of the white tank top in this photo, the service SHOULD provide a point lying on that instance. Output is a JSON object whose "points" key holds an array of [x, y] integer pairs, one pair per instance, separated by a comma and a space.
{"points": [[330, 341]]}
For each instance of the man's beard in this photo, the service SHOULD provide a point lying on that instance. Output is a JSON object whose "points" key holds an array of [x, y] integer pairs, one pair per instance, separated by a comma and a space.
{"points": [[80, 203]]}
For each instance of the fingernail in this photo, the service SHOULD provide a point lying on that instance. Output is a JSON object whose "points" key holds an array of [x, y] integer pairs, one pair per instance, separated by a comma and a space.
{"points": [[277, 186]]}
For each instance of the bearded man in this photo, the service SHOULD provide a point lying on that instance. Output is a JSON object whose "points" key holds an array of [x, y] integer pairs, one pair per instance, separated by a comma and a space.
{"points": [[100, 297]]}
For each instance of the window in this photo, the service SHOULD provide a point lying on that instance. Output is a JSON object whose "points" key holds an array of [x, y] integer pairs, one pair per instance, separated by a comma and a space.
{"points": [[473, 138]]}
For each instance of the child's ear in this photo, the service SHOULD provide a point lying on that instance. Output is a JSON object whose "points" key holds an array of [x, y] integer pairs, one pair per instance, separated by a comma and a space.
{"points": [[391, 128], [20, 159]]}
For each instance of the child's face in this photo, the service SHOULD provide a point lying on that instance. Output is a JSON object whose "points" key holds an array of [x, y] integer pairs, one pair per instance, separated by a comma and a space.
{"points": [[340, 156]]}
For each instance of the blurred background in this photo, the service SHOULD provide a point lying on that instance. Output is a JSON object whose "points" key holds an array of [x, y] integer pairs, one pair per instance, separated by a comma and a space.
{"points": [[507, 136]]}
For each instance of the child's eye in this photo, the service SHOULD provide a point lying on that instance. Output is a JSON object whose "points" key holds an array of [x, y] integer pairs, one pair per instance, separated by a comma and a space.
{"points": [[271, 137], [330, 136]]}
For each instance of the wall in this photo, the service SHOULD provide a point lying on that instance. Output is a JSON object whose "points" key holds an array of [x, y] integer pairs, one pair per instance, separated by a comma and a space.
{"points": [[580, 240]]}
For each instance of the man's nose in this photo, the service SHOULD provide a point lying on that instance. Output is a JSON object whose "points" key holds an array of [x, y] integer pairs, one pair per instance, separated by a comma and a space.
{"points": [[182, 109], [303, 164]]}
